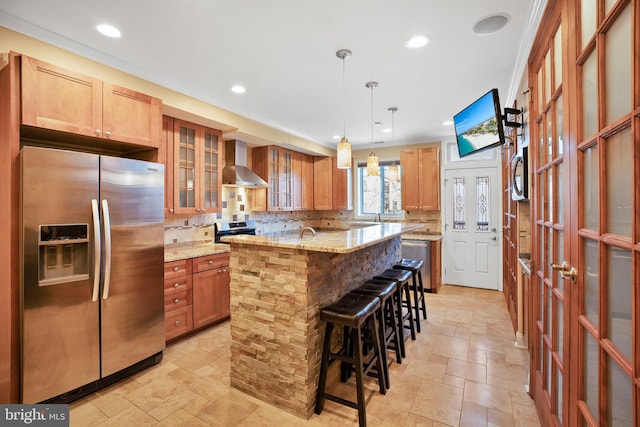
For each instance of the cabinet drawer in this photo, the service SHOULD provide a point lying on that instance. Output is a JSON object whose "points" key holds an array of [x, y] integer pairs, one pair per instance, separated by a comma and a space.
{"points": [[178, 268], [209, 262], [178, 322], [177, 284], [176, 300]]}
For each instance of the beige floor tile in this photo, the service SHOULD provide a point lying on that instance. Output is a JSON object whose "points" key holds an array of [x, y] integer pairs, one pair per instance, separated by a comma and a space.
{"points": [[462, 369]]}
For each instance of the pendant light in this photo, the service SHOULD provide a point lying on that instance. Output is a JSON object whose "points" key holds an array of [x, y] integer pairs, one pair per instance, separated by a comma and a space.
{"points": [[392, 172], [344, 146], [373, 168]]}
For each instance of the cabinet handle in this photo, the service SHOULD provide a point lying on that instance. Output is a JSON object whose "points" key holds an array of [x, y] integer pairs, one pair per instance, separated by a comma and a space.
{"points": [[175, 285], [177, 323], [98, 132], [176, 268], [108, 133], [176, 301]]}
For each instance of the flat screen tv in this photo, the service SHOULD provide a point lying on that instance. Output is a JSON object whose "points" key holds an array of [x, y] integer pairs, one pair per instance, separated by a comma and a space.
{"points": [[479, 126]]}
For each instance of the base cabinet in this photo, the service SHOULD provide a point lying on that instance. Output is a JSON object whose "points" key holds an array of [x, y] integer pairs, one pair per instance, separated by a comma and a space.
{"points": [[196, 294], [436, 271]]}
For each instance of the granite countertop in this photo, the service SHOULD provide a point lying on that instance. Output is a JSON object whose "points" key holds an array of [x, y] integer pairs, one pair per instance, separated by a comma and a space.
{"points": [[175, 253], [336, 241], [430, 237]]}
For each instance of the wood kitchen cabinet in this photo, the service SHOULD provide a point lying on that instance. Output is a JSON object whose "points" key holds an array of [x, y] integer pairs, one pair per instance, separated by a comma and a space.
{"points": [[275, 165], [165, 156], [196, 293], [211, 293], [178, 298], [302, 181], [420, 179], [330, 185], [193, 167], [63, 100], [436, 262]]}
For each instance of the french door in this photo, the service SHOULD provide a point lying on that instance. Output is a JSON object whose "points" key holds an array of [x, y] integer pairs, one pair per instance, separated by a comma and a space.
{"points": [[585, 123]]}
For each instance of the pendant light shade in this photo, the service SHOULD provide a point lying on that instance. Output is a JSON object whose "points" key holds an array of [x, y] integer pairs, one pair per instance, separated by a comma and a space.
{"points": [[344, 154], [344, 146], [373, 167], [393, 172]]}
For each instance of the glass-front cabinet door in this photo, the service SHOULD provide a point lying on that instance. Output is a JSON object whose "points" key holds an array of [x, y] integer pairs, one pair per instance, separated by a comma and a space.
{"points": [[197, 166]]}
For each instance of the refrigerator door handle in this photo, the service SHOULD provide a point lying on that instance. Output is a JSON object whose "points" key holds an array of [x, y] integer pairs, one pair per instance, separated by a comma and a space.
{"points": [[107, 249], [95, 211]]}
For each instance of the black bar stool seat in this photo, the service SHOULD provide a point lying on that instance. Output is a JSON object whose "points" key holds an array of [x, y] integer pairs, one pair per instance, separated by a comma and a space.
{"points": [[419, 301], [353, 312], [403, 298], [385, 291]]}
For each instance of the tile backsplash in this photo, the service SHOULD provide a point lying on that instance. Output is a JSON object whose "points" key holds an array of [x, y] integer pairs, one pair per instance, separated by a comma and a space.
{"points": [[236, 206]]}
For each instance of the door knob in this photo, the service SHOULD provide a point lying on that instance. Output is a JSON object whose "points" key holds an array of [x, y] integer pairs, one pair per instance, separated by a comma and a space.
{"points": [[560, 267], [571, 274], [494, 238]]}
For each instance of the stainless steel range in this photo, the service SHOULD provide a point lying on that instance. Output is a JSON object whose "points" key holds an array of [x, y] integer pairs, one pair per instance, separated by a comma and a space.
{"points": [[234, 229]]}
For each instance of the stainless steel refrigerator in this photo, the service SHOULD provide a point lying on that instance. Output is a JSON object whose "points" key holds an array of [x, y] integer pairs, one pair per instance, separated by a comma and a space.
{"points": [[92, 277]]}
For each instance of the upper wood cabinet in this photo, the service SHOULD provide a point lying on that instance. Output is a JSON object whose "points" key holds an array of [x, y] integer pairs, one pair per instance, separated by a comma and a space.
{"points": [[193, 167], [302, 181], [330, 185], [165, 156], [62, 100], [420, 179]]}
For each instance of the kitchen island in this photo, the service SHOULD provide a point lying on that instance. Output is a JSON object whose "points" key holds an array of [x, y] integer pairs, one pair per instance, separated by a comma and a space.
{"points": [[278, 286]]}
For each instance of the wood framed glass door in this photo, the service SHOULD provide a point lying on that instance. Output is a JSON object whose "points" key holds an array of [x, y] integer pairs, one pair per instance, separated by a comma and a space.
{"points": [[585, 81]]}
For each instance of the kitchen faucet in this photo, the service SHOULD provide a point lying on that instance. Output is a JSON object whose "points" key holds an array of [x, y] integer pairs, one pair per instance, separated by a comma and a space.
{"points": [[313, 231]]}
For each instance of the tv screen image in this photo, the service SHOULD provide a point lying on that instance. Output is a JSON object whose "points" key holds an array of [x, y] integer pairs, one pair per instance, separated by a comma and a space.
{"points": [[479, 126]]}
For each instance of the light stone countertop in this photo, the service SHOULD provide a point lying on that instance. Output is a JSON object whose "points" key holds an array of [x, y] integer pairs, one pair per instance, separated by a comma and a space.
{"points": [[430, 237], [335, 241], [175, 253]]}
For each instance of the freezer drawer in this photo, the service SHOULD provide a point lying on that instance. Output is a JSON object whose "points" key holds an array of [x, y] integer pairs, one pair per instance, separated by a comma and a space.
{"points": [[419, 249]]}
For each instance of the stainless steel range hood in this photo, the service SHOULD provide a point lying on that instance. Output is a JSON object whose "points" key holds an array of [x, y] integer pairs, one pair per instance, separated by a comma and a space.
{"points": [[235, 172]]}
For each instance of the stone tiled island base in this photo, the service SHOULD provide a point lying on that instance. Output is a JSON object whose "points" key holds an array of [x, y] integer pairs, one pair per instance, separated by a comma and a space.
{"points": [[276, 332]]}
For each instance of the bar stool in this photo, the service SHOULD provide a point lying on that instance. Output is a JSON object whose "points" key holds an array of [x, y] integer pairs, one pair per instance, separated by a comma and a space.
{"points": [[403, 298], [387, 323], [353, 312], [419, 302]]}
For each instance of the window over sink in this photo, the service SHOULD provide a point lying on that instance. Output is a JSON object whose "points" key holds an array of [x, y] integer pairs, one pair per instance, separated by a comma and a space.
{"points": [[379, 195]]}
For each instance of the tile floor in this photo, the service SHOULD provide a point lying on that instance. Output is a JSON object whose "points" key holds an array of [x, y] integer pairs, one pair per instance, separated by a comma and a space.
{"points": [[463, 370]]}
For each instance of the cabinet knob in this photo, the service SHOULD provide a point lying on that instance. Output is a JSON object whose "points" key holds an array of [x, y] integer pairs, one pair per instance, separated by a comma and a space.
{"points": [[210, 261], [177, 323], [176, 301], [108, 133], [176, 268], [171, 210], [98, 132], [175, 285]]}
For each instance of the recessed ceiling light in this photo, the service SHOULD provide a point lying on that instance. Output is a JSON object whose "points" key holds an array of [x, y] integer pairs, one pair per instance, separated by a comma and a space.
{"points": [[386, 130], [378, 124], [238, 89], [336, 137], [109, 30], [491, 24], [447, 123], [417, 41]]}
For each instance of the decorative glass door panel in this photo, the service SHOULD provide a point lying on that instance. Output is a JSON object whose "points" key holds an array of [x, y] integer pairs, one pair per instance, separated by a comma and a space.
{"points": [[211, 165], [187, 168], [550, 238]]}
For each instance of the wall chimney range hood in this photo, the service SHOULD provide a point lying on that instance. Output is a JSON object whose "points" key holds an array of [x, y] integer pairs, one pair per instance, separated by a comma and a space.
{"points": [[235, 172]]}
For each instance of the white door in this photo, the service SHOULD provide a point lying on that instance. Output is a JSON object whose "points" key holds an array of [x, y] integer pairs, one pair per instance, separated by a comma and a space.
{"points": [[471, 244]]}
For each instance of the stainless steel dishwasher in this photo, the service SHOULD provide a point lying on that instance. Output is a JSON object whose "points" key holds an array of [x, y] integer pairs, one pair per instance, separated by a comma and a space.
{"points": [[415, 248]]}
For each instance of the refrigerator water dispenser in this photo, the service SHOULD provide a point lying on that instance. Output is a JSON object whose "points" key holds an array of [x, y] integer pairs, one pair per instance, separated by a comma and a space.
{"points": [[63, 255]]}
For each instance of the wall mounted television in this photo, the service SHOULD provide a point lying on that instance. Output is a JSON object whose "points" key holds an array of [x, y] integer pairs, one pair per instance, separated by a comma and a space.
{"points": [[479, 126]]}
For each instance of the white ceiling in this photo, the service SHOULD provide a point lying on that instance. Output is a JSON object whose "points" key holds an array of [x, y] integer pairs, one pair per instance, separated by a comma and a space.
{"points": [[284, 53]]}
